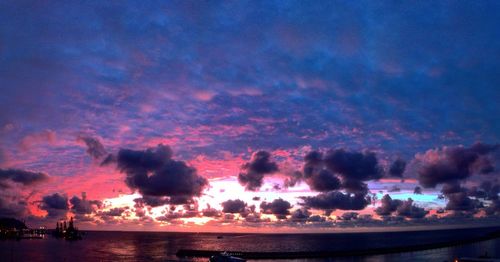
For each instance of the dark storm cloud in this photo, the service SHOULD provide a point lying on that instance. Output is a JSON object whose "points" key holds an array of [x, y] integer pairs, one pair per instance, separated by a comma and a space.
{"points": [[355, 186], [402, 208], [313, 163], [454, 164], [55, 205], [409, 210], [397, 168], [451, 188], [94, 147], [317, 176], [459, 201], [323, 181], [22, 176], [300, 215], [493, 208], [12, 207], [153, 172], [361, 166], [14, 187], [388, 205], [154, 201], [354, 168], [487, 190], [252, 173], [84, 206], [132, 161], [233, 206], [278, 207], [336, 200]]}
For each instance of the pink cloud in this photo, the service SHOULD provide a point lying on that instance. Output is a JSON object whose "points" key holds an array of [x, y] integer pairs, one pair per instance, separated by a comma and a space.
{"points": [[46, 136]]}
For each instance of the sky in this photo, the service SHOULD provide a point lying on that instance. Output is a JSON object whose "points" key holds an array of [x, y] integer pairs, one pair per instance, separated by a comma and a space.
{"points": [[251, 116]]}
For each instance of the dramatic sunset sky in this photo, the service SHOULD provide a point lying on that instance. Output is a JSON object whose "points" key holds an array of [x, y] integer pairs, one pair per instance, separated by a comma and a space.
{"points": [[282, 116]]}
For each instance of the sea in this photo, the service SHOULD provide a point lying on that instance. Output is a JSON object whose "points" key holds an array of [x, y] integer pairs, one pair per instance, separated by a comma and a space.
{"points": [[163, 246]]}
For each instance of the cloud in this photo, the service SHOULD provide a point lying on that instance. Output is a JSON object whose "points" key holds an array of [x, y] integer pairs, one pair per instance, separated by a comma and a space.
{"points": [[354, 166], [252, 173], [3, 157], [154, 201], [14, 195], [336, 200], [397, 168], [83, 206], [300, 215], [402, 208], [56, 205], [409, 210], [451, 188], [493, 208], [113, 212], [46, 136], [487, 190], [22, 176], [12, 206], [316, 176], [323, 181], [211, 212], [451, 164], [94, 147], [153, 172], [278, 207], [349, 216], [388, 206], [459, 201], [417, 190], [233, 206], [313, 163], [293, 178]]}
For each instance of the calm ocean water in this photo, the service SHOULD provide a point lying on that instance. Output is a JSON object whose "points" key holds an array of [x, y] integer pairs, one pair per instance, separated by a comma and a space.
{"points": [[148, 246]]}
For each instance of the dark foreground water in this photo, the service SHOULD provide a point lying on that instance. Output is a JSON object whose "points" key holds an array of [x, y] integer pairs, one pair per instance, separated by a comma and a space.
{"points": [[147, 246]]}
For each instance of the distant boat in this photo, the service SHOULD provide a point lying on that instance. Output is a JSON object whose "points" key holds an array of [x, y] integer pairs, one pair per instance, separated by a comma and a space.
{"points": [[220, 237], [224, 257]]}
